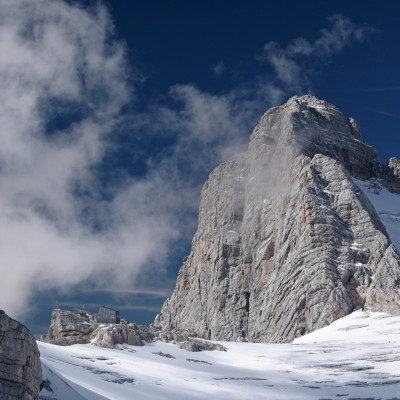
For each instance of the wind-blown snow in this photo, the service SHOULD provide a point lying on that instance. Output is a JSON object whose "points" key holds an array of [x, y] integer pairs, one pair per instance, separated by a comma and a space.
{"points": [[387, 205], [357, 356]]}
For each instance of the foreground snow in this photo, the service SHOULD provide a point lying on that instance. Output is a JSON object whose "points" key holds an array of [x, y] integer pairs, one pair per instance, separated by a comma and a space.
{"points": [[357, 357]]}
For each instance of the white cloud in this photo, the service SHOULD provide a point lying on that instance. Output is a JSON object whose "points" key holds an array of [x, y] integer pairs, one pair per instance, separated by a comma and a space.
{"points": [[342, 33], [290, 63], [58, 58], [209, 128]]}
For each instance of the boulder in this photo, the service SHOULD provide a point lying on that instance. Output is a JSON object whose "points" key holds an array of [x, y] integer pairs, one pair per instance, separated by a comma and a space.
{"points": [[70, 327]]}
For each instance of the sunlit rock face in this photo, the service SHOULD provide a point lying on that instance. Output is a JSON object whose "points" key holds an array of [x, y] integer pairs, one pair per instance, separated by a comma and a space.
{"points": [[68, 328], [20, 369], [286, 242]]}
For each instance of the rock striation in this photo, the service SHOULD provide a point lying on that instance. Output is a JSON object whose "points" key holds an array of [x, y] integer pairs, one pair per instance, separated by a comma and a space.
{"points": [[20, 369], [286, 242]]}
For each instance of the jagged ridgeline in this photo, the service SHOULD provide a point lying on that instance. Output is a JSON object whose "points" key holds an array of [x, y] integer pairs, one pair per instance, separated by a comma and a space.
{"points": [[286, 242]]}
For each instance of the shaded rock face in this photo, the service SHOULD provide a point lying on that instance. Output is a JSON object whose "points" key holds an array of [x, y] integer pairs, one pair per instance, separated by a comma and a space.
{"points": [[286, 243], [20, 369]]}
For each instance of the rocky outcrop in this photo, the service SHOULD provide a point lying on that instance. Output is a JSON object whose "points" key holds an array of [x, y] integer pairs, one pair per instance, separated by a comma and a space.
{"points": [[20, 369], [138, 335], [80, 327], [112, 334], [286, 243], [196, 345], [186, 340], [392, 175], [67, 327]]}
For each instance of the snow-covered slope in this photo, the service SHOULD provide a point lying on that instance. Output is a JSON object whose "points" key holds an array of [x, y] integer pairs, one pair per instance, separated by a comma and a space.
{"points": [[356, 357], [387, 205]]}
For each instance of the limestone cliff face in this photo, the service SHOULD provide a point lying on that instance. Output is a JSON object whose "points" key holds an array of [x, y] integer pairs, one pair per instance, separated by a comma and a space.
{"points": [[286, 243], [20, 369]]}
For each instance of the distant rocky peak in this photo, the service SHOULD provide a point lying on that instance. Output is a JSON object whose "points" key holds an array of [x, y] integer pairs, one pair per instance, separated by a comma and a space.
{"points": [[307, 126]]}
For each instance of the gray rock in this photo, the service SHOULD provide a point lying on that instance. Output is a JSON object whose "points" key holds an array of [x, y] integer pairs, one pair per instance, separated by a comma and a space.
{"points": [[196, 345], [68, 328], [185, 340], [394, 165], [176, 335], [112, 334], [286, 243], [166, 355], [392, 175], [20, 369], [80, 327]]}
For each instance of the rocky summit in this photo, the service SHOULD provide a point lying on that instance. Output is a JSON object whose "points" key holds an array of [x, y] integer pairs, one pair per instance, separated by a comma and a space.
{"points": [[20, 369], [286, 242]]}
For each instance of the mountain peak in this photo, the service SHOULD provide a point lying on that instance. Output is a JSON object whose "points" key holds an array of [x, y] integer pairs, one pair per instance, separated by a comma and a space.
{"points": [[306, 125], [309, 100]]}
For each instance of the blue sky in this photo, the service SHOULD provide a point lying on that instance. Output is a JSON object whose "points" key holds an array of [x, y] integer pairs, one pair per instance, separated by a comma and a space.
{"points": [[114, 113]]}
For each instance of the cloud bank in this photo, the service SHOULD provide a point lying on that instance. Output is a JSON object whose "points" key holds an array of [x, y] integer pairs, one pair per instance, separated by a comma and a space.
{"points": [[64, 80]]}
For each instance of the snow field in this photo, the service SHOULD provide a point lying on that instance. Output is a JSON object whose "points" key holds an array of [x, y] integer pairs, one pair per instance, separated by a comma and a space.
{"points": [[357, 356]]}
